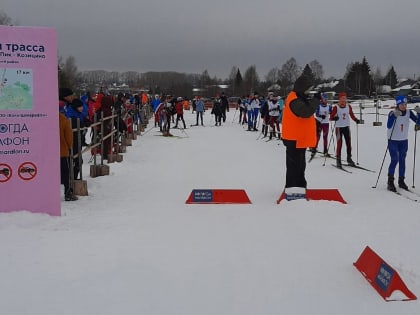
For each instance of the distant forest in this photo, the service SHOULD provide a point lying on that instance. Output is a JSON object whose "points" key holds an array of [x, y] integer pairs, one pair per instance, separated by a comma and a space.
{"points": [[358, 78]]}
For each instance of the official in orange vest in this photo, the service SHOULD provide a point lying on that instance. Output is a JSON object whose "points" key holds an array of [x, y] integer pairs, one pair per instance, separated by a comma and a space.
{"points": [[298, 134]]}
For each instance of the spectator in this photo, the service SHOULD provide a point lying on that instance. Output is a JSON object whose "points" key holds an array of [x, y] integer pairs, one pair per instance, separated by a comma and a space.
{"points": [[66, 142], [77, 112], [298, 134], [224, 105], [199, 108]]}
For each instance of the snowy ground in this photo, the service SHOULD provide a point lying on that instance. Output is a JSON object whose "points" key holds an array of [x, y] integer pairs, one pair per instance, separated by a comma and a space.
{"points": [[134, 247]]}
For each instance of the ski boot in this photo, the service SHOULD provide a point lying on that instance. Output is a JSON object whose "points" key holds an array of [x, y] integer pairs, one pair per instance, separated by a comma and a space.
{"points": [[69, 196], [265, 130], [350, 162], [294, 193], [390, 184], [339, 165], [402, 184]]}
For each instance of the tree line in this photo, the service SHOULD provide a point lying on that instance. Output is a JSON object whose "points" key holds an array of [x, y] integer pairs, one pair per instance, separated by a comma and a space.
{"points": [[357, 79]]}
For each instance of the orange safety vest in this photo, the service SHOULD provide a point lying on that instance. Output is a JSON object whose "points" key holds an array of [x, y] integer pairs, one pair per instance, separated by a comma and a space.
{"points": [[303, 130], [144, 98]]}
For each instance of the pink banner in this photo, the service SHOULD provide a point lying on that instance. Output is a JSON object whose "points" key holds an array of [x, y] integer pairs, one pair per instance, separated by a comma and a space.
{"points": [[29, 135]]}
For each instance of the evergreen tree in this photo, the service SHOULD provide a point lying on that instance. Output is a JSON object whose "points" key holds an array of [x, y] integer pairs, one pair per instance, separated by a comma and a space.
{"points": [[359, 79], [307, 71], [67, 73], [239, 83], [390, 78]]}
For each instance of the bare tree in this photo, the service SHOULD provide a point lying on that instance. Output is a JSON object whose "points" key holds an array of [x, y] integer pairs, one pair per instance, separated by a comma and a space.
{"points": [[4, 18], [273, 76], [317, 70], [289, 72], [232, 78], [251, 79]]}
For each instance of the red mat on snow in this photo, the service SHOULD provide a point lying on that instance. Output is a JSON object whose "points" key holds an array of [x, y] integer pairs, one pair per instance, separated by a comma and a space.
{"points": [[319, 194], [382, 276]]}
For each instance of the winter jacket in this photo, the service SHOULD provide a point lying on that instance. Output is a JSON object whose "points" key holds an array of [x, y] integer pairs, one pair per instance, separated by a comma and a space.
{"points": [[301, 129], [179, 108], [66, 136], [199, 106]]}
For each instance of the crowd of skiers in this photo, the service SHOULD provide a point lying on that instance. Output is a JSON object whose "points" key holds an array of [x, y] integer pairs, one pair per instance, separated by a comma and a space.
{"points": [[305, 118]]}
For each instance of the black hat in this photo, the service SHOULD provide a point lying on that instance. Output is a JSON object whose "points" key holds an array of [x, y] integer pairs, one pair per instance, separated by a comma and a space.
{"points": [[63, 92], [302, 84], [76, 103]]}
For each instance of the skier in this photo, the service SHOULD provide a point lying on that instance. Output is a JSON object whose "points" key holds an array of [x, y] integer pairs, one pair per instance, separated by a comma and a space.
{"points": [[341, 114], [265, 116], [166, 113], [255, 106], [397, 133], [242, 110], [156, 103], [274, 112], [217, 111], [179, 107], [249, 111], [322, 115]]}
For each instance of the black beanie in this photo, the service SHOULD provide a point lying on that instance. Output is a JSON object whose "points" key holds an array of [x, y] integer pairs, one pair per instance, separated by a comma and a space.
{"points": [[76, 103], [63, 92], [302, 84]]}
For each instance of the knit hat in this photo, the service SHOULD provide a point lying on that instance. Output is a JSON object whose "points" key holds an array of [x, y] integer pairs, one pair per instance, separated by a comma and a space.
{"points": [[63, 92], [302, 84], [342, 94], [76, 103], [400, 99]]}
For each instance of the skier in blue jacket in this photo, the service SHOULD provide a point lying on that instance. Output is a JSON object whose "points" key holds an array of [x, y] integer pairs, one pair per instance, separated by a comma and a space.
{"points": [[397, 133]]}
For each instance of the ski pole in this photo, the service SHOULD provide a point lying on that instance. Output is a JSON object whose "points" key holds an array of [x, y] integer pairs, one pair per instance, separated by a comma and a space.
{"points": [[234, 115], [357, 144], [183, 130], [414, 163], [329, 143], [383, 160]]}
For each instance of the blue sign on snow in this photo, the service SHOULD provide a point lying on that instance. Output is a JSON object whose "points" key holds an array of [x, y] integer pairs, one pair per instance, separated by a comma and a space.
{"points": [[202, 195], [384, 276]]}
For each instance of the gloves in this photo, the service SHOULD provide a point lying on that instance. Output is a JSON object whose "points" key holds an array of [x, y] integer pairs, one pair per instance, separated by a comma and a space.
{"points": [[416, 127], [397, 113], [357, 121], [335, 118], [417, 109], [322, 116]]}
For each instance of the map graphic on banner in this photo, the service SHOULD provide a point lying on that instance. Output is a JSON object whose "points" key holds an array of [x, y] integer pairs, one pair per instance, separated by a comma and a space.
{"points": [[16, 89], [29, 120]]}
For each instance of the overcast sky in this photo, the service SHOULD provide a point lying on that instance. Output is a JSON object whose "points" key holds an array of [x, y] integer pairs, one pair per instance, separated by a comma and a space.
{"points": [[194, 35]]}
